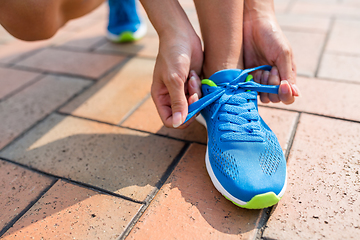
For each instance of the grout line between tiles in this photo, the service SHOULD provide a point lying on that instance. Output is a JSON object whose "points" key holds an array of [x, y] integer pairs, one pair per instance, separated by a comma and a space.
{"points": [[85, 185], [347, 54], [15, 219], [313, 114], [157, 188], [104, 52], [26, 55], [129, 128], [292, 136], [36, 70], [23, 87], [322, 51], [261, 224], [290, 6], [129, 113], [266, 213]]}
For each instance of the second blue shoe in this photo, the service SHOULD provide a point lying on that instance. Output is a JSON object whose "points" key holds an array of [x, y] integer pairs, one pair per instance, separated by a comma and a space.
{"points": [[125, 25], [244, 159]]}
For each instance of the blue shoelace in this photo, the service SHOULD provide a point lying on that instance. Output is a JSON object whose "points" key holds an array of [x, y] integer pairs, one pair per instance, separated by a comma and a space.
{"points": [[235, 108]]}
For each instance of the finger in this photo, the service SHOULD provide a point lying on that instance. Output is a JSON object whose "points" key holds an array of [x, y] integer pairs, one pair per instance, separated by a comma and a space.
{"points": [[163, 105], [285, 65], [257, 76], [194, 84], [285, 93], [193, 98], [179, 105], [264, 97], [274, 79]]}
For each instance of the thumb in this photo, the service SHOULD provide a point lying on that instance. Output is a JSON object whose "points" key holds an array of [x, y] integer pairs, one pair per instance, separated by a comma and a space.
{"points": [[179, 105], [287, 71]]}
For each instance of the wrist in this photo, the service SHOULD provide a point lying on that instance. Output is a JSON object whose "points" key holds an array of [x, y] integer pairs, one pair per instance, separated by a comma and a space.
{"points": [[167, 17], [254, 9]]}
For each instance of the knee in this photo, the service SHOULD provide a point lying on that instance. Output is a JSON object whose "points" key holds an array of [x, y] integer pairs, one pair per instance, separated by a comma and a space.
{"points": [[30, 20]]}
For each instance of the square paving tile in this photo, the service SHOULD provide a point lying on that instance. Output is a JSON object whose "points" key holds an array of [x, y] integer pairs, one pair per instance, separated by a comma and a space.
{"points": [[146, 47], [146, 118], [322, 199], [30, 105], [281, 122], [122, 161], [340, 67], [344, 37], [11, 80], [5, 36], [307, 48], [189, 207], [17, 50], [327, 8], [90, 65], [112, 98], [80, 24], [303, 23], [87, 37], [69, 211], [18, 188], [281, 6], [329, 98]]}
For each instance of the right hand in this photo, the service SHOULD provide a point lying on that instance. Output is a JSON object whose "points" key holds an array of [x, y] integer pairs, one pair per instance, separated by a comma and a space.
{"points": [[176, 84]]}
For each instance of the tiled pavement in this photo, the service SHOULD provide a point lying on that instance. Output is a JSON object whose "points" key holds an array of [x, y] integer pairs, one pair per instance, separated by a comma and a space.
{"points": [[83, 154]]}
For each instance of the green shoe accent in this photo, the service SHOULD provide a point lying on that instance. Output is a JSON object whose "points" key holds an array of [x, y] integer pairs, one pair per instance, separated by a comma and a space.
{"points": [[249, 78], [208, 82], [260, 201], [127, 37]]}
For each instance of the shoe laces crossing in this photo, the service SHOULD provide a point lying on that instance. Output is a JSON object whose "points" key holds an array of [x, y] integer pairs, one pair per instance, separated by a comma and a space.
{"points": [[234, 107]]}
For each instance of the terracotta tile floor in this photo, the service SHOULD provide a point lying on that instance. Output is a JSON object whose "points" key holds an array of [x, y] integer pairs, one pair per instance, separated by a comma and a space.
{"points": [[84, 155]]}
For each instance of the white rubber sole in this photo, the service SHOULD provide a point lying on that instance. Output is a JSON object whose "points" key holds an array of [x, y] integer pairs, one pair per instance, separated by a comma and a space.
{"points": [[140, 33]]}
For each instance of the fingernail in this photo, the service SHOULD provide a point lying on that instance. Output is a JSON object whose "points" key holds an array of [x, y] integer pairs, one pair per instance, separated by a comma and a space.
{"points": [[283, 88], [195, 97], [193, 82], [257, 77], [296, 90], [177, 119], [192, 73], [274, 71]]}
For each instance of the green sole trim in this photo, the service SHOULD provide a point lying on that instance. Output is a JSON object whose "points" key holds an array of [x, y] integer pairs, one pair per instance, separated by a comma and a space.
{"points": [[126, 37], [260, 201], [208, 82]]}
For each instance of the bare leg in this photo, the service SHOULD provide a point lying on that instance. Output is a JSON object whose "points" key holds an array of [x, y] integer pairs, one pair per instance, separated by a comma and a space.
{"points": [[221, 25], [40, 19]]}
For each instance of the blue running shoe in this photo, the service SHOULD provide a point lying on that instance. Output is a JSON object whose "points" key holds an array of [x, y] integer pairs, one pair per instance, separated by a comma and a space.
{"points": [[243, 158], [125, 24]]}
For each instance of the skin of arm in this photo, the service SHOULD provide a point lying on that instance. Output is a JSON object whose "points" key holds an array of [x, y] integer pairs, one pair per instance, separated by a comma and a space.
{"points": [[180, 58]]}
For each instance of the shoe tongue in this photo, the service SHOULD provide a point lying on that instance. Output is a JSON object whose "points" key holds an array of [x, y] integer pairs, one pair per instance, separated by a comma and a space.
{"points": [[225, 76]]}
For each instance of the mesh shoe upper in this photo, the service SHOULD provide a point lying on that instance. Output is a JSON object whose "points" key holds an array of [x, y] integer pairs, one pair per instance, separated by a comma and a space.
{"points": [[244, 153], [123, 16]]}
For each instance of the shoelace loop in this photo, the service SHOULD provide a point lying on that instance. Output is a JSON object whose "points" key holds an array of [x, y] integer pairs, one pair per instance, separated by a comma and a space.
{"points": [[226, 90]]}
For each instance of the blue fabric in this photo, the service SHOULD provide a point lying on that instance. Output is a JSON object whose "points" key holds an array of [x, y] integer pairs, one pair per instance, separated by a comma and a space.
{"points": [[244, 153], [123, 16]]}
